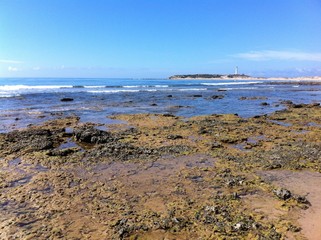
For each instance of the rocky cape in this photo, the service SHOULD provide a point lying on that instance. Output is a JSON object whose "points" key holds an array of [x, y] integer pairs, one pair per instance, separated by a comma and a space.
{"points": [[241, 77]]}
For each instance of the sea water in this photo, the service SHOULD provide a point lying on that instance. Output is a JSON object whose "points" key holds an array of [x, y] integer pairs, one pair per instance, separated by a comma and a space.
{"points": [[25, 101]]}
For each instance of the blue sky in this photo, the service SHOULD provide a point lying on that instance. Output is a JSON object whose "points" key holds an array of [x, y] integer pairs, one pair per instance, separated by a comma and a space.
{"points": [[159, 38]]}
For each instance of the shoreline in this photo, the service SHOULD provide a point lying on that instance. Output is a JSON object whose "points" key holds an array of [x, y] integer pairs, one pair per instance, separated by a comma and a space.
{"points": [[156, 176]]}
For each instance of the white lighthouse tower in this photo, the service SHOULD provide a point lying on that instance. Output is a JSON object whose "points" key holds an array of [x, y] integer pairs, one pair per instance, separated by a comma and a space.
{"points": [[236, 71]]}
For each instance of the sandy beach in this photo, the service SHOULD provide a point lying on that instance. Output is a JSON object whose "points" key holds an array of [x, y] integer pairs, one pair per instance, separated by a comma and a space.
{"points": [[159, 176]]}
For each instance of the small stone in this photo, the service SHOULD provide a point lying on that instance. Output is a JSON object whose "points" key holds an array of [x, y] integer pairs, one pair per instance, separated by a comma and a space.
{"points": [[241, 226], [174, 137], [216, 145], [282, 193], [217, 97]]}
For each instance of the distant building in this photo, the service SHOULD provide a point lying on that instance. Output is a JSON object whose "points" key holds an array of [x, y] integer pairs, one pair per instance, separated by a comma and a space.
{"points": [[236, 72]]}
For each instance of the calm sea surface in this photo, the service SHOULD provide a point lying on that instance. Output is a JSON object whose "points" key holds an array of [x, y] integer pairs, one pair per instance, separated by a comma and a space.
{"points": [[27, 101]]}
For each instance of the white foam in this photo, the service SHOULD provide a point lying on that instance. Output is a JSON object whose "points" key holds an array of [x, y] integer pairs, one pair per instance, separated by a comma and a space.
{"points": [[26, 87], [111, 91], [192, 89], [241, 88], [8, 95], [145, 86], [228, 83]]}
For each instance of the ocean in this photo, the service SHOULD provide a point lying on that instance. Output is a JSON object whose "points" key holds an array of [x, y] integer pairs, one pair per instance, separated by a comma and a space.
{"points": [[25, 101]]}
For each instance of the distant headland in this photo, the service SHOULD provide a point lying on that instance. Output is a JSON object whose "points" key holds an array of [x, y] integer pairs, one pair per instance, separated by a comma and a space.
{"points": [[240, 77], [210, 76]]}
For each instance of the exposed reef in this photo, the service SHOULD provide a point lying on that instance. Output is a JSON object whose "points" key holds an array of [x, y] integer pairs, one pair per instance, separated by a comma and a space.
{"points": [[159, 176]]}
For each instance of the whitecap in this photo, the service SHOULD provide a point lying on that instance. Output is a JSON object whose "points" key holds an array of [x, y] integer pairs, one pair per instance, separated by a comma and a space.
{"points": [[111, 91], [228, 83]]}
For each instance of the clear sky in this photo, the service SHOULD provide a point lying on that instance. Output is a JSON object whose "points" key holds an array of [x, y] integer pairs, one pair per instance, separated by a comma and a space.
{"points": [[158, 38]]}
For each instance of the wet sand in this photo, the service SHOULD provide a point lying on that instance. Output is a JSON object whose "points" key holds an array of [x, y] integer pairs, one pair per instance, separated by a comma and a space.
{"points": [[158, 176], [305, 183]]}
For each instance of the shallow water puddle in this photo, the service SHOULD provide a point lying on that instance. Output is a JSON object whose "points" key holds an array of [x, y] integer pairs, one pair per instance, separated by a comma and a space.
{"points": [[102, 128], [14, 162], [257, 139], [68, 144], [20, 181], [69, 130], [242, 147], [313, 124], [303, 183], [284, 124]]}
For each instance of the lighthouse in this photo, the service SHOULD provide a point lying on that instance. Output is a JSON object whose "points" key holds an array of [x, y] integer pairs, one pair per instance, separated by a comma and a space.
{"points": [[236, 71]]}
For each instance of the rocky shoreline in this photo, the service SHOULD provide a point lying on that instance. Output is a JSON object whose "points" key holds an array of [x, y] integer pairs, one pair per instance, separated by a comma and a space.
{"points": [[244, 78], [159, 176]]}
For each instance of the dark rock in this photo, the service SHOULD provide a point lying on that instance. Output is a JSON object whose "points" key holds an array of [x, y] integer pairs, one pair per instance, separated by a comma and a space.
{"points": [[203, 131], [168, 115], [216, 145], [92, 135], [197, 95], [253, 98], [122, 228], [33, 139], [313, 105], [66, 99], [240, 226], [235, 181], [293, 228], [297, 105], [273, 234], [217, 97], [196, 178], [282, 193], [287, 102], [62, 152], [277, 118], [170, 95], [153, 104], [41, 144], [174, 137], [176, 106], [301, 199], [264, 104]]}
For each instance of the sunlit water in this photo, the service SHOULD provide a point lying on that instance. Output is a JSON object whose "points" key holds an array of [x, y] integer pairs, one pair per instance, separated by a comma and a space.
{"points": [[31, 101]]}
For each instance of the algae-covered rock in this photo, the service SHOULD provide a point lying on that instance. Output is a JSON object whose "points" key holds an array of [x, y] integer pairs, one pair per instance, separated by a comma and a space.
{"points": [[92, 135]]}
